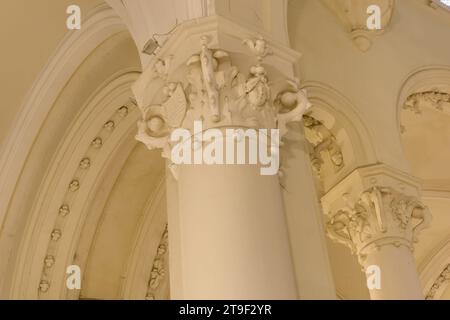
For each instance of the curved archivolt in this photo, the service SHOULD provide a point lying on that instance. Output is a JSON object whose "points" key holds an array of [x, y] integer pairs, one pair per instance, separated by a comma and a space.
{"points": [[338, 139]]}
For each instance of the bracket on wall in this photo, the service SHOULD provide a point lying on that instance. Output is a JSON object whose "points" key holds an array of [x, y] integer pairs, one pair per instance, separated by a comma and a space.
{"points": [[353, 16]]}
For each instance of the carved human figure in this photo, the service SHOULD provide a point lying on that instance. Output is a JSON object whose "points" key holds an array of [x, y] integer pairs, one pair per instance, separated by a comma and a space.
{"points": [[123, 111], [64, 210], [97, 143], [110, 125], [162, 67], [336, 155], [56, 235], [74, 185], [322, 139], [44, 286], [49, 261], [208, 64], [157, 273], [85, 163]]}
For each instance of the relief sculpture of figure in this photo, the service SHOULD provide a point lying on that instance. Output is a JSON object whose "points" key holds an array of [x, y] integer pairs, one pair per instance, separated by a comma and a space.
{"points": [[209, 62]]}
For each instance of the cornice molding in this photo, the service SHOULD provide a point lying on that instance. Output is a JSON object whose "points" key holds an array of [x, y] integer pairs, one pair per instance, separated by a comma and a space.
{"points": [[143, 18], [222, 33], [370, 176], [436, 189]]}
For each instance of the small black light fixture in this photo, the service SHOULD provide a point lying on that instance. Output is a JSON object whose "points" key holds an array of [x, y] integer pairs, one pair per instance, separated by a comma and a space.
{"points": [[153, 45]]}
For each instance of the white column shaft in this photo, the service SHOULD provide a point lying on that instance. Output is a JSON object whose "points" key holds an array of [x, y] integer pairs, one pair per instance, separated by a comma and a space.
{"points": [[234, 242], [399, 278]]}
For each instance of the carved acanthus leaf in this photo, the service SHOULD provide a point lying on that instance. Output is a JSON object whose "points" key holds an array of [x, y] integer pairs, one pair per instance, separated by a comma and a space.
{"points": [[217, 93]]}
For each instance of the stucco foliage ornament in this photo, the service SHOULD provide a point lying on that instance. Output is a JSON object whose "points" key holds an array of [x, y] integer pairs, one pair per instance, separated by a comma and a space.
{"points": [[433, 98], [159, 267], [219, 94], [258, 47], [157, 120], [381, 216], [444, 278], [322, 140]]}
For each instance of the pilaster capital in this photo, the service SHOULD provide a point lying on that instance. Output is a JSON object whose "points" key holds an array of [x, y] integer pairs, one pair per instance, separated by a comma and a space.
{"points": [[374, 207]]}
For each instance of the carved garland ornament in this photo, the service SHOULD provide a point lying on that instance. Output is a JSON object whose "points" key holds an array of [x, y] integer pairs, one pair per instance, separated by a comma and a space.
{"points": [[381, 216]]}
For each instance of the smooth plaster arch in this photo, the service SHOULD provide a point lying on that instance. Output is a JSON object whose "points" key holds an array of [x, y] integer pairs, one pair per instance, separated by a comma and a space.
{"points": [[101, 193], [122, 231], [53, 193], [338, 113], [423, 79], [426, 77], [86, 209], [432, 267], [329, 101], [99, 25], [141, 258]]}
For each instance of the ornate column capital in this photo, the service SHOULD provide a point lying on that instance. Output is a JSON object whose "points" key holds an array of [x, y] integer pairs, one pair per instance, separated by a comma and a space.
{"points": [[217, 72], [374, 207]]}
